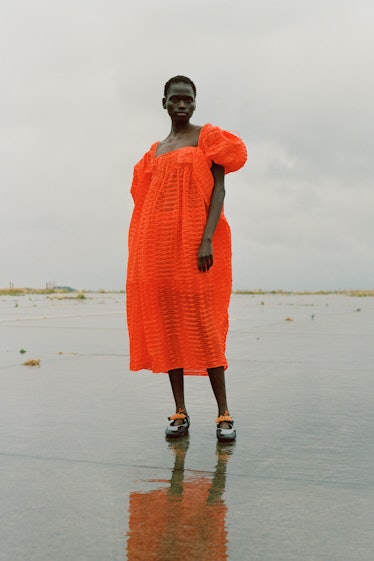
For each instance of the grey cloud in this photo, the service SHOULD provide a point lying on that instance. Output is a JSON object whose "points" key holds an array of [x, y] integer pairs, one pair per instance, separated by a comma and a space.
{"points": [[80, 102]]}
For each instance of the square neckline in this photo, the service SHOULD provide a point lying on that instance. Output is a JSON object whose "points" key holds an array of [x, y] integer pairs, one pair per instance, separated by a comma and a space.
{"points": [[156, 144]]}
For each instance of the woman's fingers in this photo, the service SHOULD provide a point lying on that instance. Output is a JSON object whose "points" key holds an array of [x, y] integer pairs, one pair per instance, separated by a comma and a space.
{"points": [[205, 263]]}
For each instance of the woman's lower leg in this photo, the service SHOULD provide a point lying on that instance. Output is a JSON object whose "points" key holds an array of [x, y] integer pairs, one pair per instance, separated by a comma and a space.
{"points": [[176, 378], [217, 380]]}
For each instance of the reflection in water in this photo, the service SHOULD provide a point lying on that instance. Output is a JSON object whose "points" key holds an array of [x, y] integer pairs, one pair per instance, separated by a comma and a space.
{"points": [[185, 521]]}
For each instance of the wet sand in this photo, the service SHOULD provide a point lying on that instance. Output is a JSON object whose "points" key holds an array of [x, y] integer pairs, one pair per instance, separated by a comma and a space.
{"points": [[86, 473]]}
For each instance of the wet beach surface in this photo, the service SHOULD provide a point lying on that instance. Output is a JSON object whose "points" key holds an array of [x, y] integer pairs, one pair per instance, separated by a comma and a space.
{"points": [[86, 473]]}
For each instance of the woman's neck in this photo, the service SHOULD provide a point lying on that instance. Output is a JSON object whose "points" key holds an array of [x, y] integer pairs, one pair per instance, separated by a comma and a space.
{"points": [[180, 129]]}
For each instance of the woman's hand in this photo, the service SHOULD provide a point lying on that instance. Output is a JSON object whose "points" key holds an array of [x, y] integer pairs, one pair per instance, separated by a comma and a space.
{"points": [[205, 255]]}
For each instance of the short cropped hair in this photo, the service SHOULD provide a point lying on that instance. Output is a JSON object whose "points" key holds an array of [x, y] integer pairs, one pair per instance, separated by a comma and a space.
{"points": [[177, 80]]}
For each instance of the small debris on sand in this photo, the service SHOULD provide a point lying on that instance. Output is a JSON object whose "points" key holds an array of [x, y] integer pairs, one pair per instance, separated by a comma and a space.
{"points": [[32, 362]]}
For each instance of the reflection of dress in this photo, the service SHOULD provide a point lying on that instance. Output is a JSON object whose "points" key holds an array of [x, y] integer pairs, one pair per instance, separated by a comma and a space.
{"points": [[188, 527], [177, 315]]}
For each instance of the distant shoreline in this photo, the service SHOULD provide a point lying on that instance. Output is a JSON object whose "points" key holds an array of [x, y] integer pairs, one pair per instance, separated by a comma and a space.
{"points": [[357, 292], [256, 292]]}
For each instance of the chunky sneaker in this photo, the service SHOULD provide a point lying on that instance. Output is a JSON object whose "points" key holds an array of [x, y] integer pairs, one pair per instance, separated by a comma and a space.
{"points": [[227, 434], [176, 431]]}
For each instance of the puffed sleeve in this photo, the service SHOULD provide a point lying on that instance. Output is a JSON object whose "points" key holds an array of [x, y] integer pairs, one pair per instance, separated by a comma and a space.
{"points": [[223, 148], [142, 175]]}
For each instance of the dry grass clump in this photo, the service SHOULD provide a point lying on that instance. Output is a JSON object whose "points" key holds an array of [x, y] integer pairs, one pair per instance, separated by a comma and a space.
{"points": [[32, 362], [64, 296], [361, 293], [25, 291]]}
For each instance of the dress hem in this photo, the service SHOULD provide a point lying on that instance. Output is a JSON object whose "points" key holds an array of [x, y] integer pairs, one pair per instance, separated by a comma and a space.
{"points": [[198, 371]]}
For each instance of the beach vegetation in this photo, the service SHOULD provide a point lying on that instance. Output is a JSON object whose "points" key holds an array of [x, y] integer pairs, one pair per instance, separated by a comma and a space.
{"points": [[32, 362]]}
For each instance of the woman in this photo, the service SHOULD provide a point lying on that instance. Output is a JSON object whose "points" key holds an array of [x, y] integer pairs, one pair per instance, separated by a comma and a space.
{"points": [[178, 287]]}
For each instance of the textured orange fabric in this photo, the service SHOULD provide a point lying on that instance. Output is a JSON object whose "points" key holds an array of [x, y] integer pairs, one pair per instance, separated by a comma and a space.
{"points": [[178, 316]]}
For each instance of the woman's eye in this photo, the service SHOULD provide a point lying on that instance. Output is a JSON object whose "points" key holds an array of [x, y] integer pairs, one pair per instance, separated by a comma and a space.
{"points": [[175, 99]]}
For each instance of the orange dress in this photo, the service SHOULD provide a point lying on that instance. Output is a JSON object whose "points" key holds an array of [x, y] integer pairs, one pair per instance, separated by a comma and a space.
{"points": [[178, 316]]}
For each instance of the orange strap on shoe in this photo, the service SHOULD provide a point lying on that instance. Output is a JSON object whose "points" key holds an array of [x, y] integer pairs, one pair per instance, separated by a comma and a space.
{"points": [[179, 415], [225, 417]]}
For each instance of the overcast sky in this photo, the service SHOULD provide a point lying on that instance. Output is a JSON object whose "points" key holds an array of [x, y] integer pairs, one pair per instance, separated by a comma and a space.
{"points": [[80, 102]]}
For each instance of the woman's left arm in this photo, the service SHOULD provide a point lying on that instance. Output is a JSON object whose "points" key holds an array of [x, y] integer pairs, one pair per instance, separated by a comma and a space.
{"points": [[205, 253]]}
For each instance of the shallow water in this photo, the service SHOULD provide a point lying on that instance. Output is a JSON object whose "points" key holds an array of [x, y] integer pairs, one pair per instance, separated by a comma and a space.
{"points": [[86, 473]]}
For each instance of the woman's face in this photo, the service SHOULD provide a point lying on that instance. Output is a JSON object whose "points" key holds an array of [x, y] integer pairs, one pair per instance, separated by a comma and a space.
{"points": [[180, 102]]}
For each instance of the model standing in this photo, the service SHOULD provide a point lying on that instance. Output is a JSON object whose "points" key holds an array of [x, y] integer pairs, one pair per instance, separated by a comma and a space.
{"points": [[179, 269]]}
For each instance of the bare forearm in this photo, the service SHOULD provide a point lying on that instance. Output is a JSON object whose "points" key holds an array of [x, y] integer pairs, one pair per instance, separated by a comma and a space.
{"points": [[205, 253], [216, 202]]}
